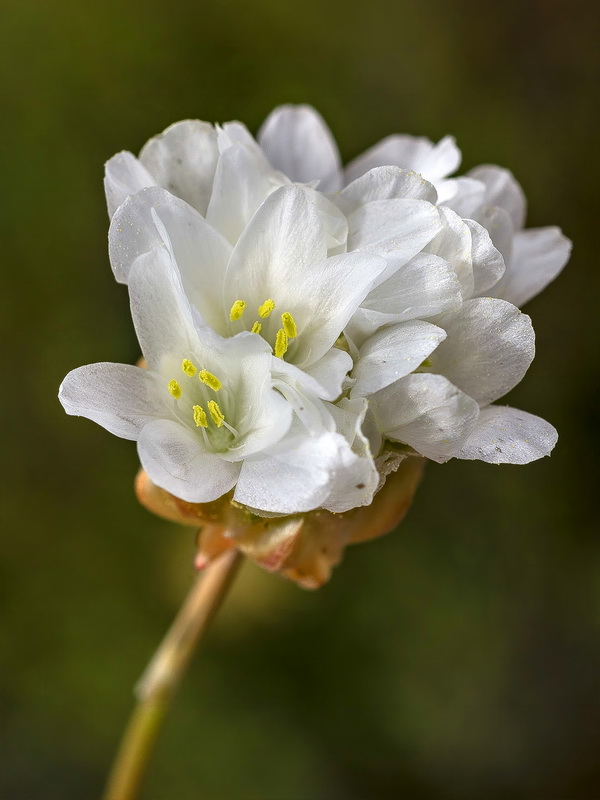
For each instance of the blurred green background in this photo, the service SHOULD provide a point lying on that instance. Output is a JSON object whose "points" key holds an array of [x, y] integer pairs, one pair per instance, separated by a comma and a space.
{"points": [[455, 658]]}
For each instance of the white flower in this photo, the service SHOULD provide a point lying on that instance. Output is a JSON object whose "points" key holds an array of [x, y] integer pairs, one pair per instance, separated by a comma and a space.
{"points": [[203, 409], [533, 257], [277, 281], [274, 237], [225, 175], [222, 380], [297, 141], [430, 386]]}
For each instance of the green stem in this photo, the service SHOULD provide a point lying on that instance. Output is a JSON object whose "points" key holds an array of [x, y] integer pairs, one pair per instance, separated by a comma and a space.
{"points": [[161, 678]]}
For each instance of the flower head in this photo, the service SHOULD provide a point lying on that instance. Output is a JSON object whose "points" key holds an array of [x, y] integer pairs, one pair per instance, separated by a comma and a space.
{"points": [[310, 330]]}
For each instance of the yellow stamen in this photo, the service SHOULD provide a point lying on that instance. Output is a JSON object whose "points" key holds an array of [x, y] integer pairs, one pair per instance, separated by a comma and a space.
{"points": [[215, 412], [289, 325], [188, 367], [281, 343], [200, 417], [266, 308], [256, 328], [423, 364], [237, 310], [210, 380], [175, 389]]}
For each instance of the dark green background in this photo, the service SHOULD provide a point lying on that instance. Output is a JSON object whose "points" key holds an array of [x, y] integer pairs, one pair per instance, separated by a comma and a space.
{"points": [[455, 658]]}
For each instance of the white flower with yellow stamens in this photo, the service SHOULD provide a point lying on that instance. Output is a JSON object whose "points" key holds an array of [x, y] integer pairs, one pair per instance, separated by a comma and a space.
{"points": [[278, 281], [434, 258], [211, 413], [203, 409]]}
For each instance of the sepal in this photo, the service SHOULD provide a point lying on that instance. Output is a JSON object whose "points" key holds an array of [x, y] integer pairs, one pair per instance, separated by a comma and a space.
{"points": [[303, 548]]}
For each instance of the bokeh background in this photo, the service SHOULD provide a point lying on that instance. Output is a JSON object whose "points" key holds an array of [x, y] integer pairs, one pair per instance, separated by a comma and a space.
{"points": [[455, 658]]}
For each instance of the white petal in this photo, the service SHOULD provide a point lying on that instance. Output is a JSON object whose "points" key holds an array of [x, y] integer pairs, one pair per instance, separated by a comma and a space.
{"points": [[502, 190], [454, 244], [268, 416], [488, 264], [335, 289], [384, 183], [442, 160], [489, 348], [201, 255], [426, 412], [499, 225], [297, 475], [132, 230], [281, 256], [446, 189], [333, 220], [175, 460], [243, 180], [467, 198], [398, 150], [410, 152], [324, 378], [183, 159], [330, 372], [539, 254], [124, 175], [424, 287], [120, 397], [395, 229], [358, 478], [283, 240], [308, 408], [231, 133], [506, 435], [161, 312], [297, 141], [393, 353], [156, 219]]}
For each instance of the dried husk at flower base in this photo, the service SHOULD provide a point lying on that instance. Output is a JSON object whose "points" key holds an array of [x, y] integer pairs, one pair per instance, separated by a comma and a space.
{"points": [[301, 547]]}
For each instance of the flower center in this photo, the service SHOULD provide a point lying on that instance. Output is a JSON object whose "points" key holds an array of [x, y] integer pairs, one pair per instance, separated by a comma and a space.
{"points": [[280, 342], [195, 405]]}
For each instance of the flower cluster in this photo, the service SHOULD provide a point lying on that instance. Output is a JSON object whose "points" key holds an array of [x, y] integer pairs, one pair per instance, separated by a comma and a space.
{"points": [[306, 328]]}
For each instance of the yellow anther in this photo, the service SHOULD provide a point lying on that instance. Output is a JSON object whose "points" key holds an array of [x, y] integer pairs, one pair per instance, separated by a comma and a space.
{"points": [[200, 417], [210, 380], [424, 364], [266, 308], [256, 328], [237, 310], [175, 389], [188, 367], [289, 325], [215, 412], [281, 343]]}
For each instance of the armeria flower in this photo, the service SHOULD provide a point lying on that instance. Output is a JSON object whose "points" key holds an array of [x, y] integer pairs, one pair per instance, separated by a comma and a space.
{"points": [[488, 195], [430, 386], [225, 175], [389, 210], [233, 384], [330, 326], [278, 281], [458, 261], [203, 409], [297, 141], [533, 257]]}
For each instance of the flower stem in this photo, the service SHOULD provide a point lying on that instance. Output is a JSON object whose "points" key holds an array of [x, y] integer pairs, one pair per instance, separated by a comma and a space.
{"points": [[157, 685]]}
